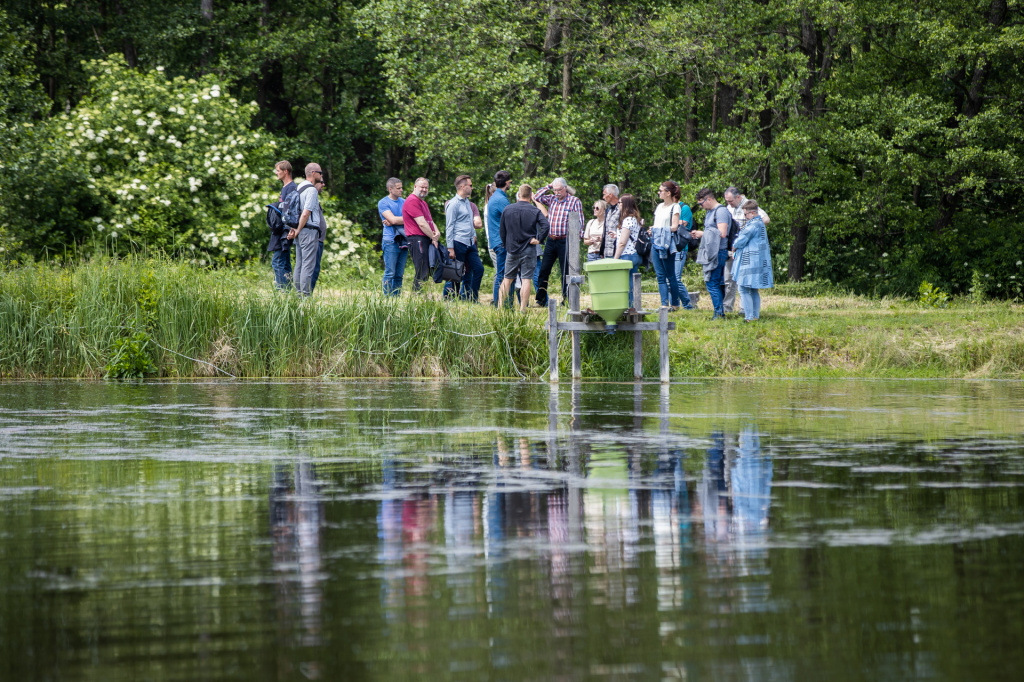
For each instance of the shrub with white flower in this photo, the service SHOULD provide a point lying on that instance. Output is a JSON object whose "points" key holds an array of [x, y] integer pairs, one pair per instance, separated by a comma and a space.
{"points": [[131, 155]]}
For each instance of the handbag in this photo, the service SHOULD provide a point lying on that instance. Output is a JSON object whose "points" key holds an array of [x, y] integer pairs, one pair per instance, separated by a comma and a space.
{"points": [[448, 269]]}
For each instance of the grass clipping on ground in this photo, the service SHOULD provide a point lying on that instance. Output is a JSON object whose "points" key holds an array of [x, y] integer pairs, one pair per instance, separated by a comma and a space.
{"points": [[72, 321]]}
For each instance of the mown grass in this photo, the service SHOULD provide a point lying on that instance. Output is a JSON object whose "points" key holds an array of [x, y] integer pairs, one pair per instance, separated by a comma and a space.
{"points": [[65, 322]]}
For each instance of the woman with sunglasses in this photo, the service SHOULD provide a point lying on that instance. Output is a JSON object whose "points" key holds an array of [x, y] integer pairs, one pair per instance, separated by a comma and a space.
{"points": [[595, 231], [663, 241]]}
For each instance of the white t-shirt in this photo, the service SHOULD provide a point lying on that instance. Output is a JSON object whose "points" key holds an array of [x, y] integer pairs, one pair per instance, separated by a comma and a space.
{"points": [[633, 226], [663, 215], [594, 229], [737, 212]]}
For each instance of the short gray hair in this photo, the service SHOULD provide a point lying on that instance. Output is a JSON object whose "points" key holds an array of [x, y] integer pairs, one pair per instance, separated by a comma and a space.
{"points": [[559, 182], [392, 183], [733, 190], [612, 189]]}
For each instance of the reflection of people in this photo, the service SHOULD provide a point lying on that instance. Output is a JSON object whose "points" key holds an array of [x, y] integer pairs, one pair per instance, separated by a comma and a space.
{"points": [[296, 520], [735, 494], [751, 479]]}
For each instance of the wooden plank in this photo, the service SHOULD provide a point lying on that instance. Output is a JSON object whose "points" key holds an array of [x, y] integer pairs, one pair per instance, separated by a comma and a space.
{"points": [[601, 326], [552, 339], [638, 302], [663, 343], [638, 355]]}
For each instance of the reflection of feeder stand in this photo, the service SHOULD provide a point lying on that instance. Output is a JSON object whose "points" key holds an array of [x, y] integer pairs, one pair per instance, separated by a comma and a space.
{"points": [[589, 321]]}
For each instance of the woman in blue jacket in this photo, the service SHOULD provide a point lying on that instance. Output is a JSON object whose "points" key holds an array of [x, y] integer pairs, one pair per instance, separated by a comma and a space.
{"points": [[752, 262]]}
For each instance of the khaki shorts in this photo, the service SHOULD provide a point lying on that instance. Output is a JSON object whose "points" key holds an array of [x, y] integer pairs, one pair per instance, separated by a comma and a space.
{"points": [[523, 264]]}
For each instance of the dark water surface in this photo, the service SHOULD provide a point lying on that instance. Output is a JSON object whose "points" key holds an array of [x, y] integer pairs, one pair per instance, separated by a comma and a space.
{"points": [[727, 530]]}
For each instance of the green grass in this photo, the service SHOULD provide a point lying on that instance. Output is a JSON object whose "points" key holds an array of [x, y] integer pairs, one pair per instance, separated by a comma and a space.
{"points": [[67, 321]]}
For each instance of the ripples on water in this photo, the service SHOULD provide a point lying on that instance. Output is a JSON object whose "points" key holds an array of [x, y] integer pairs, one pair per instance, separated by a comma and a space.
{"points": [[399, 530]]}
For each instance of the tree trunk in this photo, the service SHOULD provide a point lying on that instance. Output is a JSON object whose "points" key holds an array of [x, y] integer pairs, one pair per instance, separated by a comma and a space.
{"points": [[691, 127], [532, 150], [127, 46], [971, 100]]}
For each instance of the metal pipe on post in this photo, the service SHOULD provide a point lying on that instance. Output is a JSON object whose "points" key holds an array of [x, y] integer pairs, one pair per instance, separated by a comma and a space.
{"points": [[638, 337], [572, 246], [553, 339], [663, 343]]}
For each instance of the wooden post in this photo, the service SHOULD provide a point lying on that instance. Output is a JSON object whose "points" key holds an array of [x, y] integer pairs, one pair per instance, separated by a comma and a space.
{"points": [[663, 342], [552, 339], [638, 303]]}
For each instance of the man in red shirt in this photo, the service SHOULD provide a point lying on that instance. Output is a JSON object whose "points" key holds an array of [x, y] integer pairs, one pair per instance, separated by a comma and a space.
{"points": [[419, 230]]}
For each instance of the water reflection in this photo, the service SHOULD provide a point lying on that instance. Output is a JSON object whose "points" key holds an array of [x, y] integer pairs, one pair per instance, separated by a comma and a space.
{"points": [[582, 518], [717, 530], [296, 526]]}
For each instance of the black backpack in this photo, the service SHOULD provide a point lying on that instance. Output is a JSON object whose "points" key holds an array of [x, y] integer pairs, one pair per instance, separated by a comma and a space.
{"points": [[275, 219], [293, 211], [734, 228]]}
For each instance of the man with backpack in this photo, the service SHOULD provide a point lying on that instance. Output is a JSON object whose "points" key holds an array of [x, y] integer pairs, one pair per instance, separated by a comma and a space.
{"points": [[306, 231], [716, 217], [280, 247]]}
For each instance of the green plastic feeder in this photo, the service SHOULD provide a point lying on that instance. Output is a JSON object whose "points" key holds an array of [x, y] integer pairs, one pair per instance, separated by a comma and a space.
{"points": [[609, 288]]}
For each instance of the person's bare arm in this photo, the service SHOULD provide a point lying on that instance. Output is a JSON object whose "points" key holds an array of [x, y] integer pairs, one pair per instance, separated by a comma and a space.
{"points": [[392, 218], [427, 229], [620, 243]]}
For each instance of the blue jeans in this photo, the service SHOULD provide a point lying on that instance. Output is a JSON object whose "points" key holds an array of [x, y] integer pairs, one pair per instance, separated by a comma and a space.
{"points": [[715, 281], [316, 268], [751, 299], [499, 271], [394, 267], [668, 284], [281, 262], [684, 295], [637, 261], [593, 257], [470, 285]]}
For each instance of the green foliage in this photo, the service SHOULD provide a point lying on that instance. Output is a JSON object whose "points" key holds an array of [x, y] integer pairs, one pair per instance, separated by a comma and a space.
{"points": [[929, 295], [148, 161], [883, 139], [131, 358]]}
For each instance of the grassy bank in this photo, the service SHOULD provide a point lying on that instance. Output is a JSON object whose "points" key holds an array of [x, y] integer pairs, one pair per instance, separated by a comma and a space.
{"points": [[170, 319]]}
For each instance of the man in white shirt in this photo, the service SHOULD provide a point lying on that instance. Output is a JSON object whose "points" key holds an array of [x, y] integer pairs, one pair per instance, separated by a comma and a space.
{"points": [[734, 202]]}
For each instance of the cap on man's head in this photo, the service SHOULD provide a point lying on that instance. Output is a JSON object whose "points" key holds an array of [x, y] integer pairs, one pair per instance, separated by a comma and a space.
{"points": [[313, 168]]}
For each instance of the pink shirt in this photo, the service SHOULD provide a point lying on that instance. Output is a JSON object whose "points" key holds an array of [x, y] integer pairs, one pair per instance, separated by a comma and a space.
{"points": [[412, 208]]}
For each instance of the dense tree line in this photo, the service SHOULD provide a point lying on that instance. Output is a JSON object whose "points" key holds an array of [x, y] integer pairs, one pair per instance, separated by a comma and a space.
{"points": [[884, 139]]}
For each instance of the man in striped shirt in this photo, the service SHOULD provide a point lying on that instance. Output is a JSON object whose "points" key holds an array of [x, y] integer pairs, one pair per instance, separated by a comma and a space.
{"points": [[560, 205]]}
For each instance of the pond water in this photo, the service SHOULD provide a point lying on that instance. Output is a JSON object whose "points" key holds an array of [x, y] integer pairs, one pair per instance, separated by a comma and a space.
{"points": [[728, 530]]}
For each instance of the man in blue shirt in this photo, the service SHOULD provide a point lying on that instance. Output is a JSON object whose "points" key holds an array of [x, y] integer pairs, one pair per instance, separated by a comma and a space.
{"points": [[393, 243], [495, 207], [460, 236]]}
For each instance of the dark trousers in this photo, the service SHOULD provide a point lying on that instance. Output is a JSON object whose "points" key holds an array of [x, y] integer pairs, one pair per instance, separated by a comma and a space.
{"points": [[419, 249], [470, 285], [553, 249], [316, 269]]}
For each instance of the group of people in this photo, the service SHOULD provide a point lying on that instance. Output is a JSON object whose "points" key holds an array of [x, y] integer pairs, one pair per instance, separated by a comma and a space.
{"points": [[526, 235]]}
